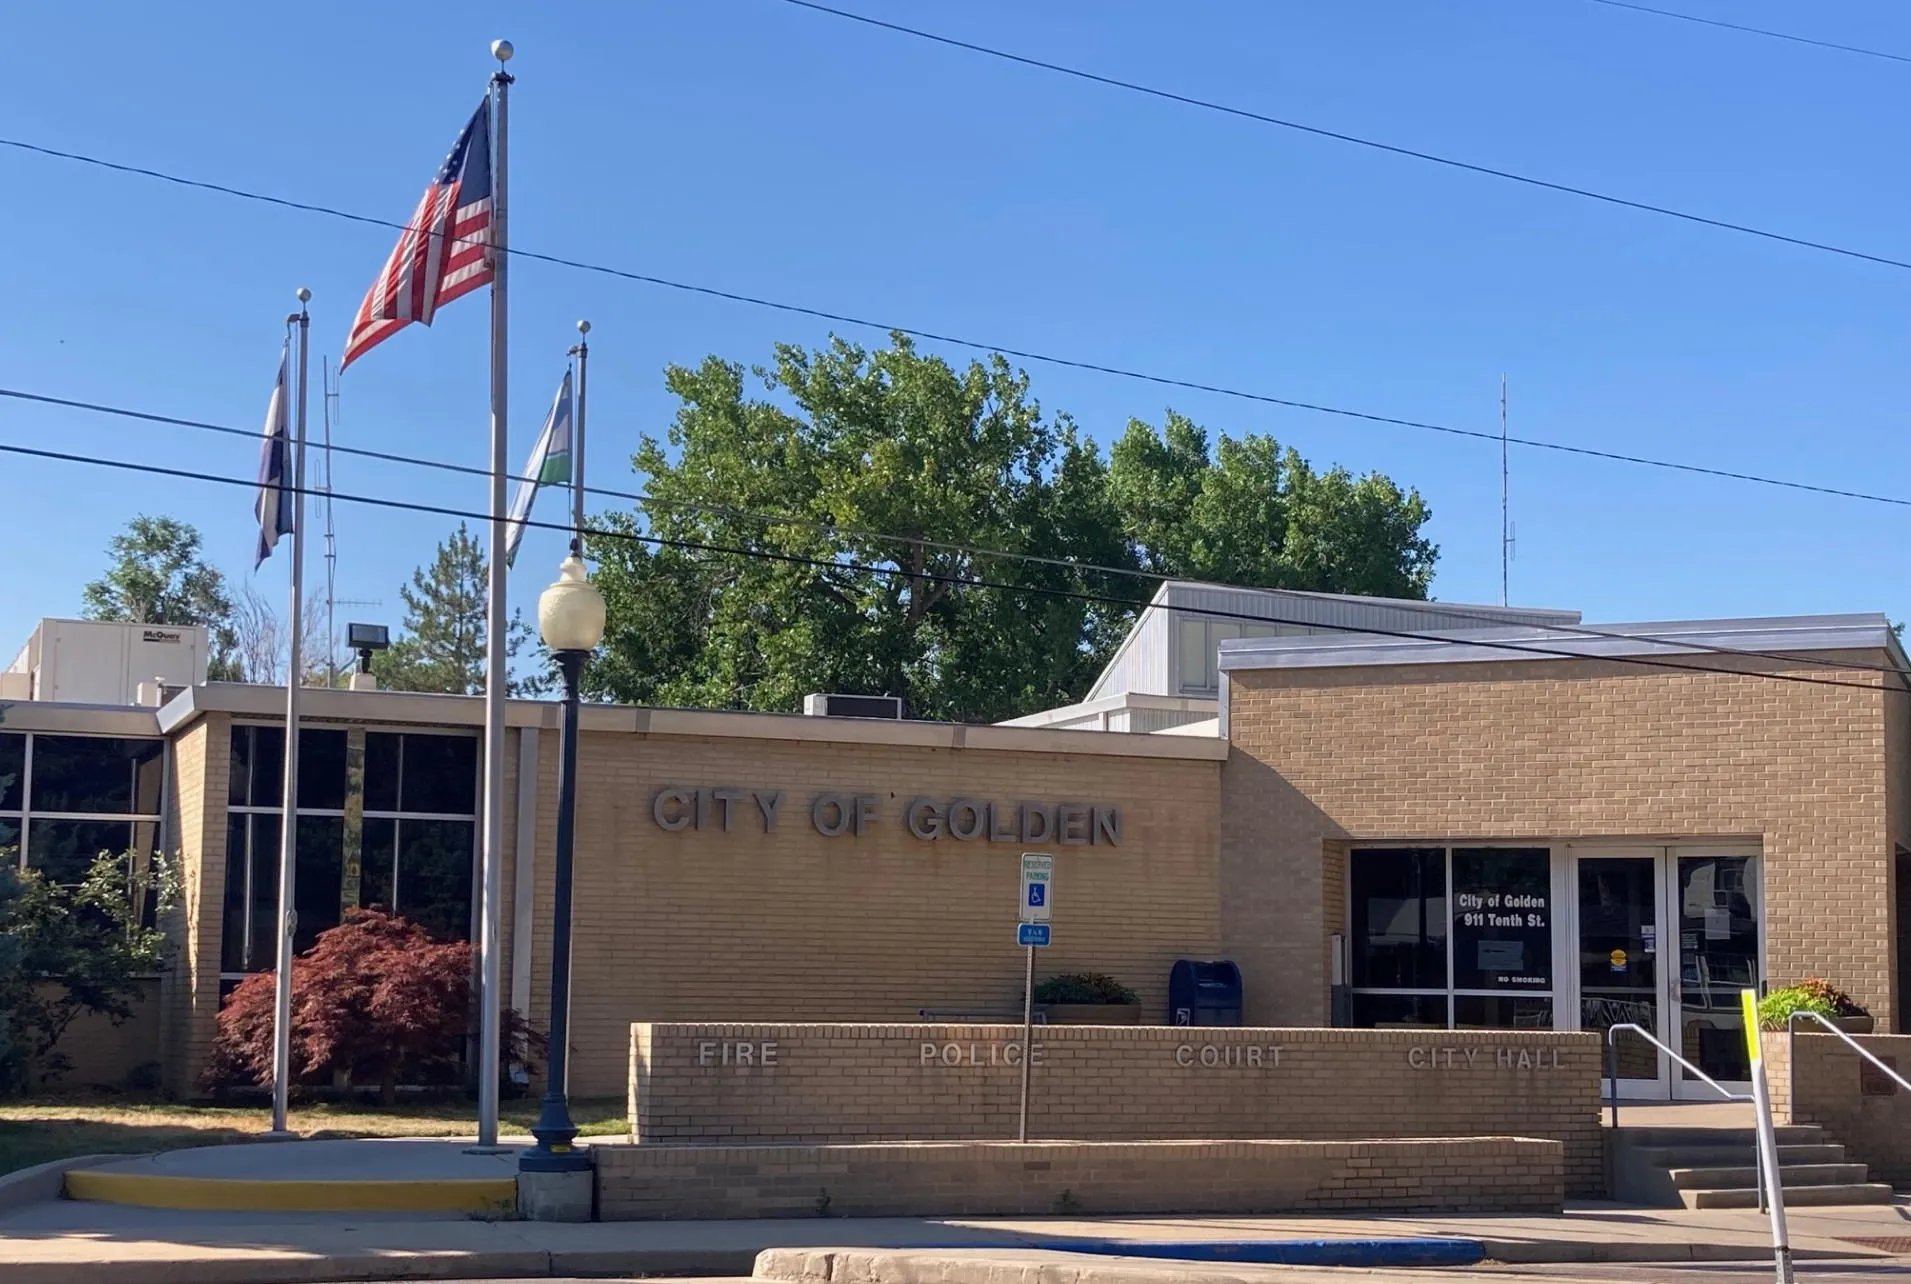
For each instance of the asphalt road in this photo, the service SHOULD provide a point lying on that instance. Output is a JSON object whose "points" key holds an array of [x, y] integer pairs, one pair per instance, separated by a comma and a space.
{"points": [[1867, 1271]]}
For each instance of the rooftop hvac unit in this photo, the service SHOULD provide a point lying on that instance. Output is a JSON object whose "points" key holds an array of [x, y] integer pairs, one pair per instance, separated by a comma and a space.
{"points": [[853, 706]]}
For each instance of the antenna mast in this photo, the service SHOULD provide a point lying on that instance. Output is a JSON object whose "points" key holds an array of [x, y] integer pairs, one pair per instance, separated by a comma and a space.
{"points": [[1506, 528], [329, 386]]}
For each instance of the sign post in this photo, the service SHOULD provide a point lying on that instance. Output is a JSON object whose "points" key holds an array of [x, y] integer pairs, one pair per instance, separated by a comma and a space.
{"points": [[1037, 899], [1767, 1140]]}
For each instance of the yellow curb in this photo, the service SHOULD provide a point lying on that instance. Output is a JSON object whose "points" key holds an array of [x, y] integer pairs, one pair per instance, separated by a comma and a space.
{"points": [[145, 1190]]}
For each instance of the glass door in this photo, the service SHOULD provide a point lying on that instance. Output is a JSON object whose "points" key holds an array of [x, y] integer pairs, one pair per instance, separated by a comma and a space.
{"points": [[1618, 962], [1719, 909]]}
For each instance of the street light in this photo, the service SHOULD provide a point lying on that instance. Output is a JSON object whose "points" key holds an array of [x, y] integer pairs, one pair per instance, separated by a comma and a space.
{"points": [[570, 617]]}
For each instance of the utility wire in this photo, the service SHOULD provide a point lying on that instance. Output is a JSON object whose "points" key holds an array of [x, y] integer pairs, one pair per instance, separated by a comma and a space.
{"points": [[1023, 354], [1317, 131], [1443, 610], [1754, 31], [960, 581]]}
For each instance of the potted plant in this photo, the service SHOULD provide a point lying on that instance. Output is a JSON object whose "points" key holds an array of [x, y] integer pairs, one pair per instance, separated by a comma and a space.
{"points": [[1088, 998], [1813, 995]]}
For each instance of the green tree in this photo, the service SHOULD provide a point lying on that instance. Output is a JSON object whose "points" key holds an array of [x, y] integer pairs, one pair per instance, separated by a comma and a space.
{"points": [[1250, 512], [877, 470], [443, 644], [732, 611], [156, 575]]}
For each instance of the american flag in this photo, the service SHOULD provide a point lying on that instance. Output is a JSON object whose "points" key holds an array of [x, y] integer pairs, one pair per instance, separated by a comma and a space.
{"points": [[445, 250]]}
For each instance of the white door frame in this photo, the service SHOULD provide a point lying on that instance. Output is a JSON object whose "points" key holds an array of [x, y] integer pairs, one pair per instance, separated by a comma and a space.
{"points": [[1566, 949], [1684, 1088]]}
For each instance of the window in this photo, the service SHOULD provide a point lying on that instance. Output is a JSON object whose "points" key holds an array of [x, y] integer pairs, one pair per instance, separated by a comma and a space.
{"points": [[1199, 640], [65, 799], [1451, 937], [386, 819]]}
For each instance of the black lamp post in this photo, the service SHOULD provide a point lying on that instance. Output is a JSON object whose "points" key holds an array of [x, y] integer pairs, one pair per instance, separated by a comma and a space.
{"points": [[570, 617]]}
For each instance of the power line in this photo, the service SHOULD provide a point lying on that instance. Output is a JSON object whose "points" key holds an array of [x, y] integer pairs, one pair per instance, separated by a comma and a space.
{"points": [[1130, 604], [1318, 131], [1023, 354], [1754, 31], [846, 532]]}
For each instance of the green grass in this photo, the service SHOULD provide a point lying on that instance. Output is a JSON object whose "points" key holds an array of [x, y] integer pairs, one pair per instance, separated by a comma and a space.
{"points": [[36, 1130]]}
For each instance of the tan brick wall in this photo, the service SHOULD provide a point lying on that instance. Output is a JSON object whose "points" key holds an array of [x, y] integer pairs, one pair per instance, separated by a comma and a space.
{"points": [[1532, 752], [1834, 1087], [747, 926], [104, 1054], [189, 1000], [868, 1083], [1897, 730], [1003, 1179]]}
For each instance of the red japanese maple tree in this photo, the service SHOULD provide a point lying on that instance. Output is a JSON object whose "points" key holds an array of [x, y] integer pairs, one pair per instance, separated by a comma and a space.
{"points": [[374, 1001]]}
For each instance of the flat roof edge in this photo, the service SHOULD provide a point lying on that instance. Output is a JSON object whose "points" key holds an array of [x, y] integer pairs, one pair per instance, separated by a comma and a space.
{"points": [[419, 709], [1793, 635]]}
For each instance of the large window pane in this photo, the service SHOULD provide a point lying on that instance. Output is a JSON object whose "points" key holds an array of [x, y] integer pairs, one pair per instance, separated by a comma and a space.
{"points": [[1400, 1011], [378, 863], [1501, 1011], [1398, 896], [322, 769], [258, 767], [63, 850], [248, 943], [440, 775], [321, 868], [434, 875], [96, 774], [1502, 918], [1194, 650], [382, 749], [13, 769]]}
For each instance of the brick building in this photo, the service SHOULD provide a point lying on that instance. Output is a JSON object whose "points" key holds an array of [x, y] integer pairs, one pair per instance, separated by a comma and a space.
{"points": [[1413, 827]]}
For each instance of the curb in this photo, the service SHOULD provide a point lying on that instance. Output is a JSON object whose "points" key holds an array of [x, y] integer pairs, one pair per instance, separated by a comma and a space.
{"points": [[151, 1190], [1403, 1252], [43, 1182]]}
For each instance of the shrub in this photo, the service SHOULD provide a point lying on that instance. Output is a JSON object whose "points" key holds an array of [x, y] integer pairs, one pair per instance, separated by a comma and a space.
{"points": [[68, 951], [1809, 995], [1084, 987], [375, 1001]]}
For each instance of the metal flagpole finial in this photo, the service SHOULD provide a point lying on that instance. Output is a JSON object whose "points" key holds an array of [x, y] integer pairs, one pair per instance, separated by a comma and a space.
{"points": [[583, 327], [305, 295], [502, 50]]}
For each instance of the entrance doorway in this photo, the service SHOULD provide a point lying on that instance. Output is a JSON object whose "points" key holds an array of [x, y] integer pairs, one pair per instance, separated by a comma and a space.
{"points": [[1665, 938]]}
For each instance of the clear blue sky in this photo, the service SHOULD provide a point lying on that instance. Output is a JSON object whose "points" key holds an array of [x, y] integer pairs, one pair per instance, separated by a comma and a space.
{"points": [[751, 146]]}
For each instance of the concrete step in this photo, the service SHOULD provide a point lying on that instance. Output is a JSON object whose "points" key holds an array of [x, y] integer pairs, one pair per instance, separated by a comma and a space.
{"points": [[1871, 1192], [1789, 1176], [1737, 1156], [1788, 1135]]}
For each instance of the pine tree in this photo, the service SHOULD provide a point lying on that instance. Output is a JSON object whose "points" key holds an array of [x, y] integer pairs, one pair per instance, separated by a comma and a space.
{"points": [[443, 645]]}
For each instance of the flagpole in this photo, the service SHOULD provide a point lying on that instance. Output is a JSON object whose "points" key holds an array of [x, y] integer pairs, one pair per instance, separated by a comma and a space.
{"points": [[583, 353], [289, 805], [496, 657]]}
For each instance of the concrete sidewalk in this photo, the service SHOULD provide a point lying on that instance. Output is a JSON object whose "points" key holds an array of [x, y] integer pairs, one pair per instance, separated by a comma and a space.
{"points": [[68, 1242]]}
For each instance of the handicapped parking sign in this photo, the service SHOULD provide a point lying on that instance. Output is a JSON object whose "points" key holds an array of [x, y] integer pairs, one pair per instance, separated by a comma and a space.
{"points": [[1038, 887]]}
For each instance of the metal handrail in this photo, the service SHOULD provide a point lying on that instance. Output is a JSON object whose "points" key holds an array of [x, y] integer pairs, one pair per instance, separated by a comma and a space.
{"points": [[1612, 1067], [1791, 1075]]}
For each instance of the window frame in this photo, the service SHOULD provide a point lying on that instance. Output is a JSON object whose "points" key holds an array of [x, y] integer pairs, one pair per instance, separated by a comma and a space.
{"points": [[26, 814], [1452, 993], [397, 817]]}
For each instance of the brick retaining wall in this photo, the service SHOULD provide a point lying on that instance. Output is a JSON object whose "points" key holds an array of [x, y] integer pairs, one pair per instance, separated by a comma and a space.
{"points": [[1841, 1091], [1007, 1179], [820, 1084]]}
